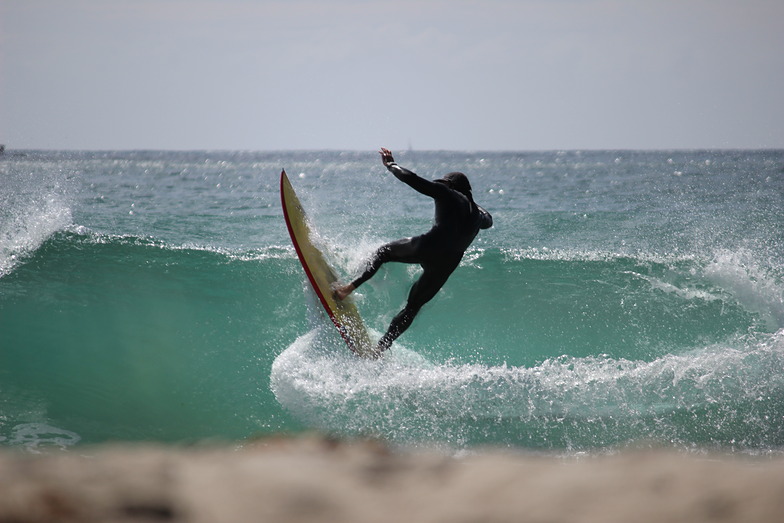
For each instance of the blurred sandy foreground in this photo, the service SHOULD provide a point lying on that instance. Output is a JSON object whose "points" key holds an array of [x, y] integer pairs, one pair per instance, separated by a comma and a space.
{"points": [[321, 480]]}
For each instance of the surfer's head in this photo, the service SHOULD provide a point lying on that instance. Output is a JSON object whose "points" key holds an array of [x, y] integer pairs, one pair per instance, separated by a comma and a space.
{"points": [[458, 182]]}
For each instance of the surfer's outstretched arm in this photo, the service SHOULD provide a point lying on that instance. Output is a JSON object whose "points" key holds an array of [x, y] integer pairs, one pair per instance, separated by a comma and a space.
{"points": [[485, 219], [410, 178]]}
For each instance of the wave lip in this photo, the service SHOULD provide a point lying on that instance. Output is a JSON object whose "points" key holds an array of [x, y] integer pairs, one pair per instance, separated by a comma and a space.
{"points": [[753, 284], [34, 204], [25, 227]]}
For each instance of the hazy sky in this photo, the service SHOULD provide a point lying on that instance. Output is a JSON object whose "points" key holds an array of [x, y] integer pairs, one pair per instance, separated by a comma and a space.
{"points": [[358, 74]]}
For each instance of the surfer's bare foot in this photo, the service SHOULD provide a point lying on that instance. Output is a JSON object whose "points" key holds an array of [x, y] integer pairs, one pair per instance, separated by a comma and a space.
{"points": [[342, 291]]}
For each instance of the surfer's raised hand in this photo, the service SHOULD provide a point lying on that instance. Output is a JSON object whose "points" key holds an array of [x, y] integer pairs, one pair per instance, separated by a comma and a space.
{"points": [[386, 157]]}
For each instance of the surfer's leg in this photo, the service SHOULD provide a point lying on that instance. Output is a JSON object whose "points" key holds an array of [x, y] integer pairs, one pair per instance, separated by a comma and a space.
{"points": [[423, 290], [404, 251]]}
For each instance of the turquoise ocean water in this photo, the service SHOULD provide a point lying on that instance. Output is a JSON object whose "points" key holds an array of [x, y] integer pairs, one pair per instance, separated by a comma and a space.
{"points": [[622, 298]]}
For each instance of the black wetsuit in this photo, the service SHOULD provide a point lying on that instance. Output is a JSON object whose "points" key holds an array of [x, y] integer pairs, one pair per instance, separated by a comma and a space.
{"points": [[439, 251]]}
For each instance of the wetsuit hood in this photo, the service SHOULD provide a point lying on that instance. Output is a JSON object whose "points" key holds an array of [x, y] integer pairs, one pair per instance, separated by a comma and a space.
{"points": [[459, 182]]}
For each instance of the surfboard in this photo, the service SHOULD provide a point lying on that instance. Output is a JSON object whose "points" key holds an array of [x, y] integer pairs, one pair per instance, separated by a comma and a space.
{"points": [[343, 313]]}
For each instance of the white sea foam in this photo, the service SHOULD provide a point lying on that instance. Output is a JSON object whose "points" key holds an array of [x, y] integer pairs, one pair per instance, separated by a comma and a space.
{"points": [[36, 436], [24, 226], [406, 398]]}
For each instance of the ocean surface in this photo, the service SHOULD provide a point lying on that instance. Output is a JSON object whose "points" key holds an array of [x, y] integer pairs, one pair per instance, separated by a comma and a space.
{"points": [[622, 298]]}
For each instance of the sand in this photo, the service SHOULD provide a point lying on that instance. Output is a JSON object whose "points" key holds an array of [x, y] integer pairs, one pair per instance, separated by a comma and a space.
{"points": [[316, 479]]}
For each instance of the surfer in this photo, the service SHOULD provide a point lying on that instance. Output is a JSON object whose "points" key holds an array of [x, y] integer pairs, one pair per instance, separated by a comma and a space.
{"points": [[439, 251]]}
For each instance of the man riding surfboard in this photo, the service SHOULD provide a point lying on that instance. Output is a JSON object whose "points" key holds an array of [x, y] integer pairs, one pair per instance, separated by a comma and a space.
{"points": [[439, 251]]}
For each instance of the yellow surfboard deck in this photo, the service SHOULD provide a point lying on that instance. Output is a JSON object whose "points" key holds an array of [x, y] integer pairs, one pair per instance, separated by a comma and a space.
{"points": [[343, 313]]}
